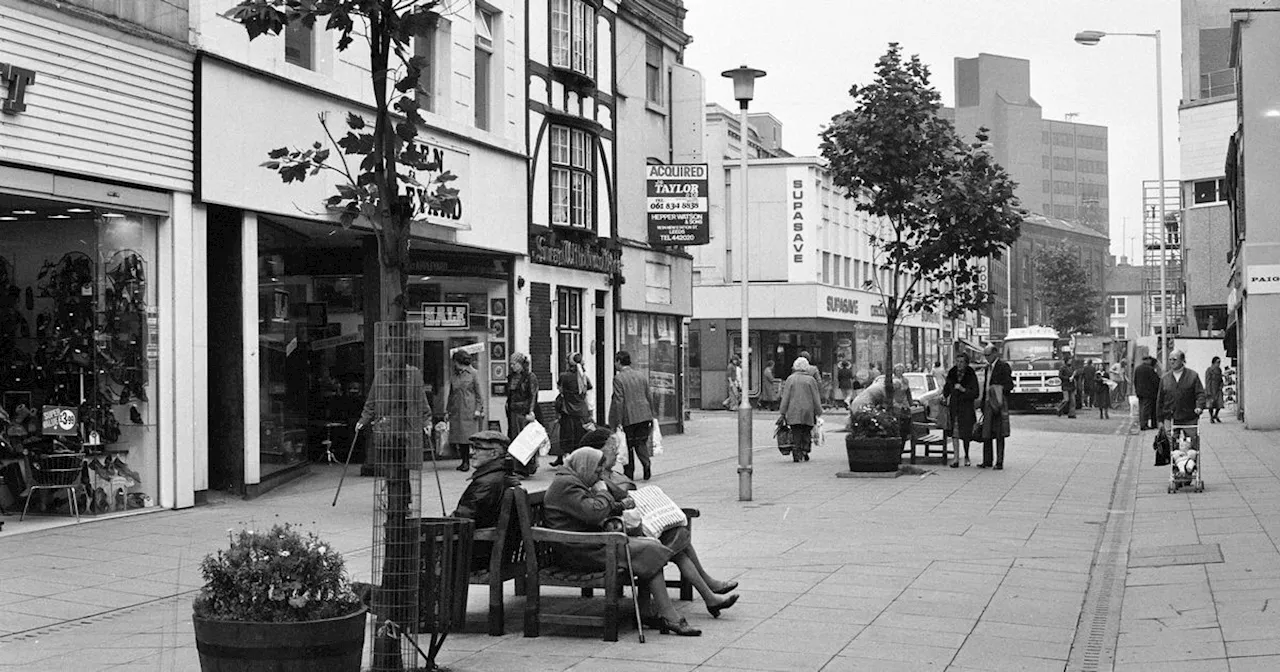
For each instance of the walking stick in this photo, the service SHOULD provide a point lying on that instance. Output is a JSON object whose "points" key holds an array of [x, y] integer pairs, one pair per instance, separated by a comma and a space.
{"points": [[435, 468], [635, 597], [350, 451]]}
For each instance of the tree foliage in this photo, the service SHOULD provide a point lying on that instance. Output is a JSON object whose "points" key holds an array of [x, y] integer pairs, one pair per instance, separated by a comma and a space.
{"points": [[942, 206], [1071, 302]]}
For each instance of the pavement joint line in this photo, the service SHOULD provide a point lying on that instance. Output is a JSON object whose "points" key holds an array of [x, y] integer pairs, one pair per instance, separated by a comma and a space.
{"points": [[1093, 648]]}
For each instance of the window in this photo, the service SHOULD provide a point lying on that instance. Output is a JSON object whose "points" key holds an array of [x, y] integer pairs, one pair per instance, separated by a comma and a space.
{"points": [[424, 46], [1209, 191], [1046, 186], [299, 45], [1217, 78], [484, 63], [1157, 303], [657, 282], [1120, 333], [848, 278], [653, 71], [573, 178], [1118, 306], [568, 321], [573, 38], [826, 268]]}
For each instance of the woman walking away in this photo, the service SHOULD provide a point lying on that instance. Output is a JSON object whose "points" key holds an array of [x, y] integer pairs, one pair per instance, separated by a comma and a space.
{"points": [[733, 380], [1213, 390], [768, 388], [845, 381], [960, 390], [800, 408], [465, 406], [1101, 395], [573, 409]]}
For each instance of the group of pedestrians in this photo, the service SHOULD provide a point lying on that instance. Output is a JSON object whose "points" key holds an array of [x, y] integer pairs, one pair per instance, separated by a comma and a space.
{"points": [[1178, 397], [1083, 386], [978, 407]]}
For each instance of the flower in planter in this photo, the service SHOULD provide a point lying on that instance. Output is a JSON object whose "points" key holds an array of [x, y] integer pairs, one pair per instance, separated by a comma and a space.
{"points": [[282, 576], [878, 422]]}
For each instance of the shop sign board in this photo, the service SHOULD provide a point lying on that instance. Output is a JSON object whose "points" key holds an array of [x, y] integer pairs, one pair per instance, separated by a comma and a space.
{"points": [[801, 224], [982, 332], [451, 212], [16, 81], [445, 315], [676, 203], [1263, 279], [59, 420], [548, 250], [842, 305]]}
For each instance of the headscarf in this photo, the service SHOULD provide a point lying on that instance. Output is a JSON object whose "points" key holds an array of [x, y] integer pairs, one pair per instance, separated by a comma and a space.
{"points": [[584, 463], [801, 364]]}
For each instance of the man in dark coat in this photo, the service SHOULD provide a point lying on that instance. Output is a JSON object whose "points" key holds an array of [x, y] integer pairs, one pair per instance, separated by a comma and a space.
{"points": [[1066, 375], [1181, 397], [482, 500], [997, 385], [1146, 385], [630, 409], [1088, 376]]}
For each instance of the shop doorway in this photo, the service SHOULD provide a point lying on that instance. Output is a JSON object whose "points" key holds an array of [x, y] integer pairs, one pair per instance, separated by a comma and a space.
{"points": [[603, 357]]}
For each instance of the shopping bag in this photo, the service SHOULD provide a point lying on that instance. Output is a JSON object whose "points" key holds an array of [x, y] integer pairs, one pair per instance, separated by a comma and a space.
{"points": [[531, 441], [658, 513], [624, 455], [816, 434], [1162, 447], [553, 437], [655, 440], [782, 433]]}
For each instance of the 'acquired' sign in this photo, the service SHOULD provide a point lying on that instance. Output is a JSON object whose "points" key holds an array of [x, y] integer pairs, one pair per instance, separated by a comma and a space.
{"points": [[677, 204]]}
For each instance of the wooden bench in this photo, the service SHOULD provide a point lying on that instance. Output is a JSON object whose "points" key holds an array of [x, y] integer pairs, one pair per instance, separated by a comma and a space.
{"points": [[506, 560], [541, 569], [926, 436]]}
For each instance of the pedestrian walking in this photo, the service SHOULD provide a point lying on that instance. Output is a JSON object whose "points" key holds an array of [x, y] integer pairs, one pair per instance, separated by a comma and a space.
{"points": [[631, 409], [1088, 376], [1067, 377], [1213, 389], [997, 385], [572, 407], [1181, 396], [465, 405], [522, 394], [1120, 376], [845, 381], [1146, 385], [800, 408], [733, 382], [960, 392], [768, 388], [1101, 395]]}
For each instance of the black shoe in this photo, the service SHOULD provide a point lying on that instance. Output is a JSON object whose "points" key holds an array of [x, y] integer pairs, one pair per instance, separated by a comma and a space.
{"points": [[465, 466], [559, 461], [984, 465], [727, 588], [715, 611], [135, 415], [998, 467], [681, 628], [647, 475], [806, 456]]}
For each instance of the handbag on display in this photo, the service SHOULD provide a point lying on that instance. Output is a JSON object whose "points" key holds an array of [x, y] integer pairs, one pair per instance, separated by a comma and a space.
{"points": [[658, 513]]}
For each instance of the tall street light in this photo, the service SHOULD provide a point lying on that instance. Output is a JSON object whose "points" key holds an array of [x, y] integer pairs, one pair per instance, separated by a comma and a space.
{"points": [[1091, 38], [744, 85]]}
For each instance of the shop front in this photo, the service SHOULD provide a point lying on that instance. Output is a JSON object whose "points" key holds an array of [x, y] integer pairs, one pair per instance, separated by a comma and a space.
{"points": [[829, 324], [96, 239], [650, 325]]}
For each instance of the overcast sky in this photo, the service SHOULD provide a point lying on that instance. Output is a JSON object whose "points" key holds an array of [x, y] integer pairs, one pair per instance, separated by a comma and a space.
{"points": [[814, 50]]}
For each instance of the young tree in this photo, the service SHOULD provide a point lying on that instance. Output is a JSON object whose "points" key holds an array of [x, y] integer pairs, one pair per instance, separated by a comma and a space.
{"points": [[381, 187], [936, 199], [1071, 301]]}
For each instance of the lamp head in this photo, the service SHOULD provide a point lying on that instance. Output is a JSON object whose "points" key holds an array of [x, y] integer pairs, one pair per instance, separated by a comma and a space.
{"points": [[1090, 38], [744, 82]]}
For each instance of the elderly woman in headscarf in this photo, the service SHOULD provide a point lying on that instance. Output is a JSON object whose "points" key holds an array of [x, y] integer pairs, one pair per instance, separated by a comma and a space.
{"points": [[800, 408], [619, 486], [577, 501]]}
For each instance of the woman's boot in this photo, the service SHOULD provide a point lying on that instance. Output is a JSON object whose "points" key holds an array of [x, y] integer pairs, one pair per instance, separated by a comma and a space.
{"points": [[465, 452]]}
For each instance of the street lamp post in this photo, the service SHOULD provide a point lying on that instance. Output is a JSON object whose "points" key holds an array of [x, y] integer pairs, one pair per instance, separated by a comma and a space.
{"points": [[744, 84], [1091, 38]]}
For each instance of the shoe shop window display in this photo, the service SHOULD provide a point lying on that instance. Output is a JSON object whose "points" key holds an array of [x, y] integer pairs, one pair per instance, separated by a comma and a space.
{"points": [[77, 360]]}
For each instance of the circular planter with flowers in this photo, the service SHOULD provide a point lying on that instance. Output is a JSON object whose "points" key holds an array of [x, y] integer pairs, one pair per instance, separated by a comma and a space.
{"points": [[278, 601]]}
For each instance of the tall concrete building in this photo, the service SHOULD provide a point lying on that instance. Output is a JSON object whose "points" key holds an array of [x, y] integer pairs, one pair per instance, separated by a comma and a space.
{"points": [[1206, 120], [1060, 166]]}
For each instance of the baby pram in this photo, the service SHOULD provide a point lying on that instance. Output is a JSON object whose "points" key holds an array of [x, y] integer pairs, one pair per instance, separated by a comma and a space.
{"points": [[1186, 463]]}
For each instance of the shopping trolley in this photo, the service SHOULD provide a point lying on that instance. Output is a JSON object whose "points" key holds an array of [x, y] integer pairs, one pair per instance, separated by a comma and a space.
{"points": [[1186, 459]]}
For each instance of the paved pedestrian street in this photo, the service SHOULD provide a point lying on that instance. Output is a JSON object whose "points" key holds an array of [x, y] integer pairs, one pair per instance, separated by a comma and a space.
{"points": [[1073, 557]]}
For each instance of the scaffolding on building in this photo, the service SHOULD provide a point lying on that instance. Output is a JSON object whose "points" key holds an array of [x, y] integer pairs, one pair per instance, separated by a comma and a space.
{"points": [[1153, 231]]}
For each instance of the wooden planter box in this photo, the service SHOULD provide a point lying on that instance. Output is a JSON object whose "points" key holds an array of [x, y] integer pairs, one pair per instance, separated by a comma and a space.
{"points": [[873, 454], [329, 645]]}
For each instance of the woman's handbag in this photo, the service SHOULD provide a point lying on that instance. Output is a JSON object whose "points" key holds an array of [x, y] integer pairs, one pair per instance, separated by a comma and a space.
{"points": [[782, 433], [658, 513], [1163, 447]]}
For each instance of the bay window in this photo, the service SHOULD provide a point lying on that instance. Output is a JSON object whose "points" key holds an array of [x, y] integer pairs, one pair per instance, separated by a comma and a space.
{"points": [[572, 177], [573, 40]]}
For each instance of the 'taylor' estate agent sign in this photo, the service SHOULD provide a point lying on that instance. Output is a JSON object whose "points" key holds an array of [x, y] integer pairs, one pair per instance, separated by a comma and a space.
{"points": [[676, 202]]}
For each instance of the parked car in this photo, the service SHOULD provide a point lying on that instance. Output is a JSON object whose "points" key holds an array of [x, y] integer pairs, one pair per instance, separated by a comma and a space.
{"points": [[925, 392]]}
